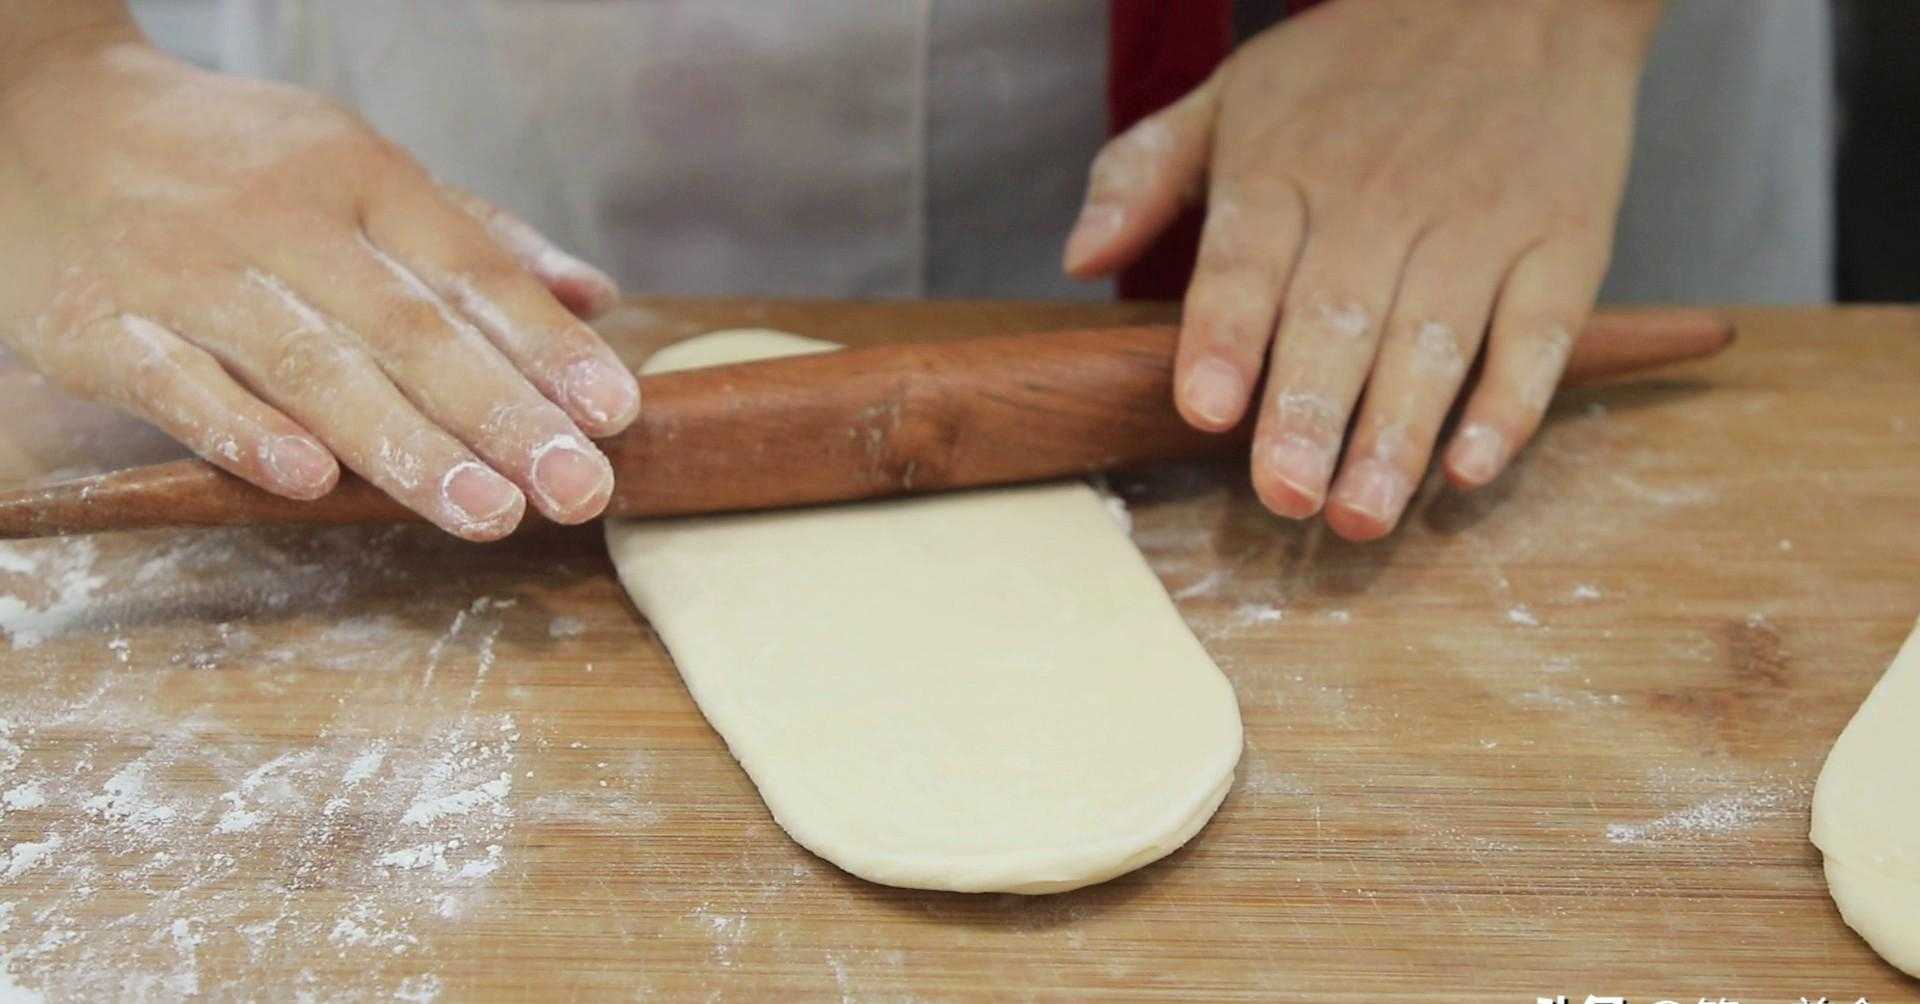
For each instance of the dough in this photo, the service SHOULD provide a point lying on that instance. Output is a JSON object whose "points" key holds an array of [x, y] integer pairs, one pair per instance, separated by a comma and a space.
{"points": [[980, 691], [1866, 814]]}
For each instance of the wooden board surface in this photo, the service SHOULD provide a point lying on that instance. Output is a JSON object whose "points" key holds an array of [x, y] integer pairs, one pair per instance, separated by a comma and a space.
{"points": [[1555, 738]]}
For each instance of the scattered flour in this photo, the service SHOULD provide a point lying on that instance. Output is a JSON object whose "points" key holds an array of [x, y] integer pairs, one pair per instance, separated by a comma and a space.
{"points": [[124, 800], [426, 810], [1258, 613], [422, 989], [238, 818], [1258, 778], [566, 627], [726, 932], [203, 857], [1587, 591], [1520, 613], [1718, 816], [24, 796], [364, 766], [28, 854], [63, 571]]}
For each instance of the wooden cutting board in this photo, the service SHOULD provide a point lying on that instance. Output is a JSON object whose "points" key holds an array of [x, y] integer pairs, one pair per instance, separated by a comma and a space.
{"points": [[1555, 738]]}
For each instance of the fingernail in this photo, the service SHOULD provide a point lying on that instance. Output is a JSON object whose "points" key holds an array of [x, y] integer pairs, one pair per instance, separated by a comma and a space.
{"points": [[606, 394], [570, 479], [300, 465], [1097, 224], [1214, 391], [480, 499], [1375, 490], [1478, 452], [1303, 464]]}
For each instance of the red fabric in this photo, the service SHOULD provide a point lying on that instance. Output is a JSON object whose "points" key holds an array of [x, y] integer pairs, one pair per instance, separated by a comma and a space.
{"points": [[1159, 52]]}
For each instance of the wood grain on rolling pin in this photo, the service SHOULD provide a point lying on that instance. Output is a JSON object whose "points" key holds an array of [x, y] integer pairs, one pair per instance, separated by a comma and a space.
{"points": [[888, 420]]}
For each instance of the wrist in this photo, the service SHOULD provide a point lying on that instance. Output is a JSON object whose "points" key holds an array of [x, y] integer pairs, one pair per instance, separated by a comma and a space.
{"points": [[34, 32]]}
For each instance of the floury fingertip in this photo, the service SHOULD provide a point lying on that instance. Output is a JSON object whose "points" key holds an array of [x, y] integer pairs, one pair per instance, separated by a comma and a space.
{"points": [[606, 394], [1479, 451]]}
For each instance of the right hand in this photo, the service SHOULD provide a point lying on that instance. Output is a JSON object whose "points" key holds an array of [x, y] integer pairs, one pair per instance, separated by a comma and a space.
{"points": [[253, 270]]}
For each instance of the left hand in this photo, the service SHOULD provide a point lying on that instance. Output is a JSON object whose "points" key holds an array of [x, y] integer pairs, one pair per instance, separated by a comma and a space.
{"points": [[1388, 183]]}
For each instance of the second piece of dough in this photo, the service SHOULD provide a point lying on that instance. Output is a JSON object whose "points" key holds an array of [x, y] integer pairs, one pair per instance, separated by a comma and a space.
{"points": [[981, 691], [1866, 814]]}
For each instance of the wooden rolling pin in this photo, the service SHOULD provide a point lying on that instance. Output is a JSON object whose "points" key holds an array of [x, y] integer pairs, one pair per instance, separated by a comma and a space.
{"points": [[864, 423]]}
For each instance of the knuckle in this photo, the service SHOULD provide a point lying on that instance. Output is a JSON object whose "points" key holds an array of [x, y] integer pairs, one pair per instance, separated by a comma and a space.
{"points": [[475, 207], [1392, 442], [151, 381], [410, 327], [1225, 241], [491, 273], [521, 425], [1230, 313], [1309, 413], [1436, 349], [403, 459], [1335, 315], [306, 358]]}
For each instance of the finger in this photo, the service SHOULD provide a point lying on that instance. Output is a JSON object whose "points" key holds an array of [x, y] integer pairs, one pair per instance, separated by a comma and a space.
{"points": [[459, 381], [323, 377], [586, 291], [1247, 251], [563, 357], [1329, 329], [179, 387], [1544, 301], [1138, 184], [1439, 318]]}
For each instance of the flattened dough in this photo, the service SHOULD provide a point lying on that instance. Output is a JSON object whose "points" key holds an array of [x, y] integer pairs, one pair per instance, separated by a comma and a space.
{"points": [[981, 691], [1866, 814]]}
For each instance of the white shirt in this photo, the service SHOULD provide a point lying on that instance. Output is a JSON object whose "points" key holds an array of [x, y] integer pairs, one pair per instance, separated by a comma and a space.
{"points": [[939, 147], [833, 147]]}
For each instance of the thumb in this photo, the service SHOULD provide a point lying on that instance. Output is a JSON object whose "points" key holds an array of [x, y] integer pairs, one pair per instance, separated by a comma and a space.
{"points": [[1139, 183]]}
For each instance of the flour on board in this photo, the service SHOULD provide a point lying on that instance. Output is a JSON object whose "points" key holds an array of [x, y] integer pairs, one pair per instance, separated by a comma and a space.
{"points": [[1721, 815], [209, 856]]}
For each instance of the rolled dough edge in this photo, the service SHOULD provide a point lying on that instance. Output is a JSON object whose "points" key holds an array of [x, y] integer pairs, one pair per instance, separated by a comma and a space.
{"points": [[1007, 873], [1880, 909]]}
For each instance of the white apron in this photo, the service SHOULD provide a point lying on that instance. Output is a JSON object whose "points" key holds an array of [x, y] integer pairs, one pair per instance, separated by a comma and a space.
{"points": [[939, 147], [832, 147]]}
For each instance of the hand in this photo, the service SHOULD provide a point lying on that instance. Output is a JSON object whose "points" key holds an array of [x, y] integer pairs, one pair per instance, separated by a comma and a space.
{"points": [[1388, 183], [256, 272]]}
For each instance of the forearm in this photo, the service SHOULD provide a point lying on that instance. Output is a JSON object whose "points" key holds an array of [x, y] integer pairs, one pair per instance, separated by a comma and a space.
{"points": [[31, 28]]}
